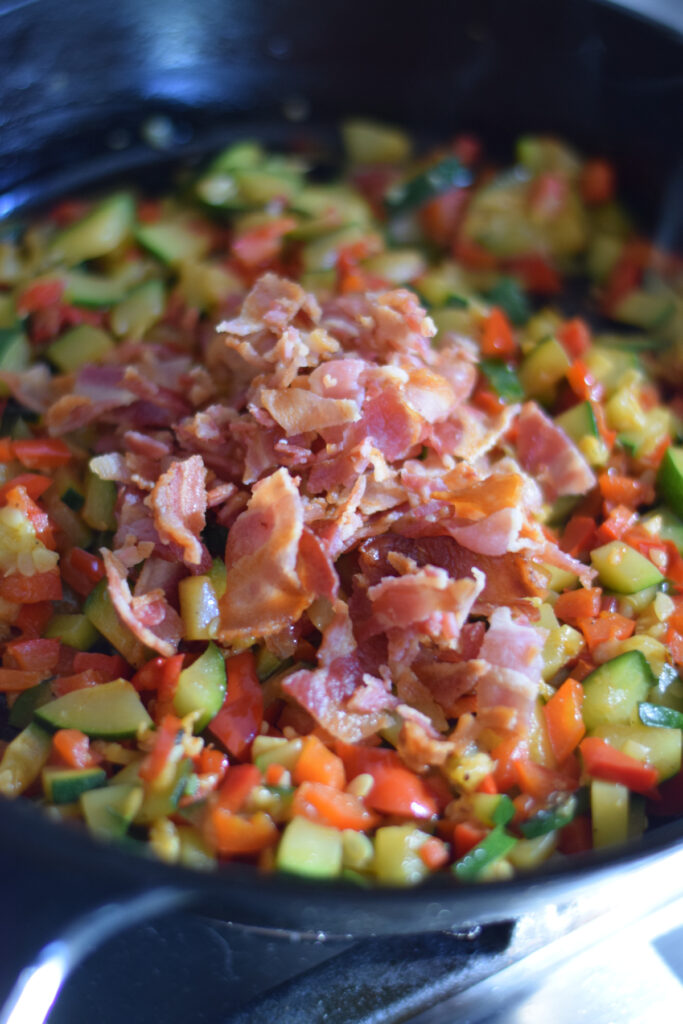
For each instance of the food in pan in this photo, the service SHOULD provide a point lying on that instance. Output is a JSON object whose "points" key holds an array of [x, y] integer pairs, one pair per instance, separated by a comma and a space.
{"points": [[341, 517]]}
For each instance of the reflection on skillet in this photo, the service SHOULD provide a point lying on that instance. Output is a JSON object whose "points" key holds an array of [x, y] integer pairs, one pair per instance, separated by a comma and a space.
{"points": [[340, 526]]}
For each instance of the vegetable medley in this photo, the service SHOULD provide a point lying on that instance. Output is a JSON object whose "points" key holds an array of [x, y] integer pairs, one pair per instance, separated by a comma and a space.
{"points": [[333, 536]]}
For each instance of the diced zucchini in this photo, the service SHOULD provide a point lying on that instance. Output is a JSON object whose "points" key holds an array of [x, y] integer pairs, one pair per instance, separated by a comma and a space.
{"points": [[158, 800], [101, 612], [623, 569], [82, 344], [368, 142], [23, 760], [609, 365], [670, 479], [545, 153], [529, 854], [543, 369], [661, 747], [198, 607], [22, 711], [562, 644], [492, 848], [238, 155], [613, 691], [258, 186], [397, 266], [397, 857], [668, 692], [100, 501], [109, 711], [503, 379], [441, 282], [548, 819], [578, 422], [666, 525], [109, 811], [609, 813], [411, 193], [649, 310], [492, 809], [194, 850], [510, 296], [73, 630], [603, 253], [135, 314], [205, 285], [658, 716], [201, 687], [95, 290], [65, 785], [15, 352], [218, 575], [275, 750], [172, 242], [307, 848], [101, 231]]}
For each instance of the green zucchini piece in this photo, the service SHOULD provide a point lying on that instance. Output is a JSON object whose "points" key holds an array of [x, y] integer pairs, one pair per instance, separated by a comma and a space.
{"points": [[503, 379], [579, 422], [397, 858], [22, 711], [660, 717], [649, 310], [93, 290], [510, 296], [550, 818], [493, 847], [613, 691], [23, 760], [668, 526], [110, 711], [368, 142], [172, 242], [65, 785], [157, 802], [660, 746], [74, 630], [101, 612], [82, 344], [101, 231], [73, 499], [110, 810], [100, 500], [198, 607], [237, 156], [428, 184], [543, 368], [307, 848], [201, 687], [623, 569], [609, 813], [15, 352], [493, 808], [670, 479], [145, 304], [322, 253]]}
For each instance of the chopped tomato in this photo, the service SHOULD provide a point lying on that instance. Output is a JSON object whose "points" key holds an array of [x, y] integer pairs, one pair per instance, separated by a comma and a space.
{"points": [[237, 835], [18, 498], [576, 604], [466, 837], [575, 336], [167, 735], [34, 485], [160, 674], [43, 586], [39, 294], [15, 679], [81, 570], [72, 747], [329, 806], [238, 783], [38, 655], [108, 666], [33, 618], [434, 853], [541, 782], [537, 274], [317, 763], [597, 182], [79, 681], [564, 720]]}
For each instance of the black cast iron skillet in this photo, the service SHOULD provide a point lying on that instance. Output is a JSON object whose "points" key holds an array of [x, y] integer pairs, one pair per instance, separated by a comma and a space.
{"points": [[79, 85]]}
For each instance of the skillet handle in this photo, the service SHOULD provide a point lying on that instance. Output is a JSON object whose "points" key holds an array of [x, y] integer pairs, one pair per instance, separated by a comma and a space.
{"points": [[51, 921]]}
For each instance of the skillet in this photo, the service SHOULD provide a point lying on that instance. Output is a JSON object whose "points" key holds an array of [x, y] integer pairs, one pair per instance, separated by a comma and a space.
{"points": [[92, 92]]}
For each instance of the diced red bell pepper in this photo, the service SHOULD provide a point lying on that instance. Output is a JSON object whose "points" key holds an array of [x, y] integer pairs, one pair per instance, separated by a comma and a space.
{"points": [[602, 761], [238, 783], [43, 586], [73, 747], [239, 720], [43, 452], [81, 570], [108, 666], [34, 655]]}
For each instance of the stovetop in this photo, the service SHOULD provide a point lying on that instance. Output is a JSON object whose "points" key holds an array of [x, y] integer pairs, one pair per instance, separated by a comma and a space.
{"points": [[617, 959], [611, 956]]}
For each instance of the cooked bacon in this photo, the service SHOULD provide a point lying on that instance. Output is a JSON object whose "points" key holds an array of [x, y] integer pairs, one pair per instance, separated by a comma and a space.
{"points": [[449, 681], [510, 579], [264, 591], [495, 535], [420, 747], [427, 598], [149, 616], [32, 388], [505, 699], [178, 503], [298, 411], [325, 691], [514, 645], [549, 456]]}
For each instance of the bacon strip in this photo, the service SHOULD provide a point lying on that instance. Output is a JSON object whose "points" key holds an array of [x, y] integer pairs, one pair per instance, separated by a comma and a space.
{"points": [[178, 503]]}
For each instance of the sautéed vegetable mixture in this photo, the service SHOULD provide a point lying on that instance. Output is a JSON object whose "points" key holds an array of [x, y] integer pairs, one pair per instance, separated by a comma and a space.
{"points": [[341, 519]]}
